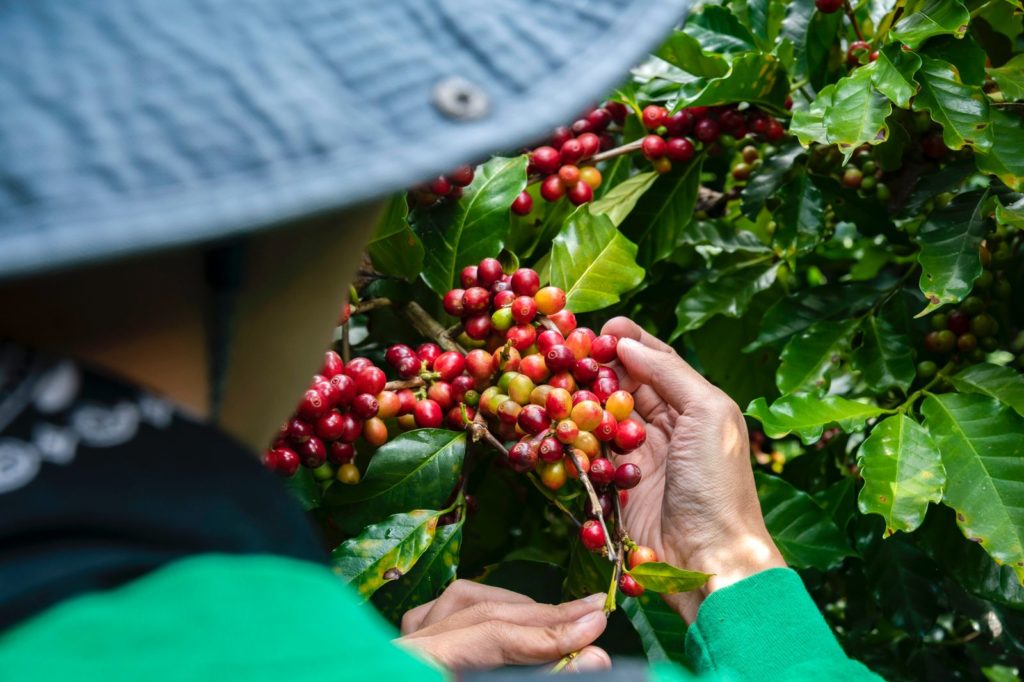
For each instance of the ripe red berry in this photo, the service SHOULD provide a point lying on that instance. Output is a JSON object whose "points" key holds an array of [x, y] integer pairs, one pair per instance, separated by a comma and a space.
{"points": [[585, 370], [564, 320], [552, 189], [282, 461], [571, 151], [604, 387], [522, 336], [400, 350], [550, 300], [654, 116], [408, 367], [828, 6], [592, 535], [679, 123], [489, 271], [428, 352], [654, 146], [461, 176], [532, 419], [580, 193], [365, 406], [525, 282], [581, 126], [333, 365], [589, 143], [441, 393], [959, 322], [617, 110], [679, 149], [560, 359], [468, 277], [480, 364], [372, 380], [456, 420], [449, 365], [312, 405], [603, 348], [545, 159], [298, 430], [599, 118], [560, 135], [330, 426], [522, 456], [856, 50], [630, 436], [933, 146], [312, 452], [629, 586], [775, 131], [707, 130], [341, 452], [476, 300], [602, 471], [452, 305], [344, 389], [428, 414], [407, 400], [606, 430], [558, 404], [627, 476], [551, 449], [441, 186], [569, 174], [523, 203], [533, 366]]}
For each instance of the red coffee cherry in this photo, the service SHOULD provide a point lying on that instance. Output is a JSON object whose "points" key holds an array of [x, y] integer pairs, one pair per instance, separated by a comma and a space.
{"points": [[592, 535], [449, 365], [580, 193], [603, 348], [545, 159], [332, 365], [654, 116], [461, 176], [365, 406], [552, 189], [630, 436], [627, 476], [428, 414], [341, 452], [312, 452], [629, 586], [641, 555], [468, 276], [602, 471], [525, 282], [679, 149], [489, 271], [653, 147], [522, 205], [282, 461]]}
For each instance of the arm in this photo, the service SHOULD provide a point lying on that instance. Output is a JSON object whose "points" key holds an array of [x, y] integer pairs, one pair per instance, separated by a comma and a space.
{"points": [[697, 507]]}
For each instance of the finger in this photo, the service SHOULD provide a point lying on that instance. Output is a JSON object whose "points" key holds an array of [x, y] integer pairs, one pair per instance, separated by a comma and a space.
{"points": [[590, 659], [457, 596], [625, 328], [515, 613], [677, 384]]}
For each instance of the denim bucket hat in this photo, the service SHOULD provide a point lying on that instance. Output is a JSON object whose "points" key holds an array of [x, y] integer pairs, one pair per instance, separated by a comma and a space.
{"points": [[128, 126]]}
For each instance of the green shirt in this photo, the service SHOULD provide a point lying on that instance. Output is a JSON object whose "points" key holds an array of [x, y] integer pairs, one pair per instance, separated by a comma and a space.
{"points": [[219, 617]]}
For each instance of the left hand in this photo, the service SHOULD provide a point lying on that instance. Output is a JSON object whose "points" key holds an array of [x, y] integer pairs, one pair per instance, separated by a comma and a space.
{"points": [[473, 626]]}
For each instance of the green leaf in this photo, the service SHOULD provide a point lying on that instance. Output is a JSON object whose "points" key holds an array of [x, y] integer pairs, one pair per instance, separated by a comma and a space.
{"points": [[427, 578], [961, 110], [799, 215], [950, 241], [620, 200], [803, 531], [809, 124], [717, 30], [463, 232], [937, 17], [662, 631], [1002, 383], [667, 579], [384, 551], [416, 470], [807, 416], [811, 356], [767, 180], [812, 35], [884, 357], [902, 471], [982, 444], [1010, 78], [894, 74], [722, 235], [588, 573], [1006, 159], [1011, 214], [857, 112], [664, 211], [304, 488], [729, 295], [906, 584], [394, 248], [593, 262], [684, 51], [963, 53], [800, 310], [756, 77]]}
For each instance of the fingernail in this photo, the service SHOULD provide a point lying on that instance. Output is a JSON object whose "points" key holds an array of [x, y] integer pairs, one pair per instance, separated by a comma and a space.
{"points": [[590, 618], [595, 599], [589, 661]]}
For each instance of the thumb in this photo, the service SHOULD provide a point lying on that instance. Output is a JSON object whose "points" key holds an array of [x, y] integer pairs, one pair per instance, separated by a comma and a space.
{"points": [[675, 382]]}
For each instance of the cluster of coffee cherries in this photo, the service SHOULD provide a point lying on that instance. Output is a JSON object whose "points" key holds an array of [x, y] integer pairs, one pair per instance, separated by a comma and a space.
{"points": [[442, 187], [345, 402], [560, 164]]}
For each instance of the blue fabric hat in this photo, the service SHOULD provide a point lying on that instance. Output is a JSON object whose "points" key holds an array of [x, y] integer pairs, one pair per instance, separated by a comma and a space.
{"points": [[133, 125]]}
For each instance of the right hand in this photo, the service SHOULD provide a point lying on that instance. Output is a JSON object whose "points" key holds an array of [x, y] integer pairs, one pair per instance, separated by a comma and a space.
{"points": [[696, 505]]}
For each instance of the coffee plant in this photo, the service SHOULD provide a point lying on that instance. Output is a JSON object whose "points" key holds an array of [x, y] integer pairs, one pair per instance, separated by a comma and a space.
{"points": [[818, 203]]}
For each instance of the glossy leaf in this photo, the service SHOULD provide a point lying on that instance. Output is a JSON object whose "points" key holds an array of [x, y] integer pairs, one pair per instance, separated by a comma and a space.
{"points": [[807, 416], [304, 488], [884, 357], [722, 236], [950, 241], [460, 233], [1011, 213], [1010, 78], [937, 17], [394, 248], [593, 262], [1002, 383], [804, 533], [799, 311], [962, 110], [1005, 160], [384, 551], [588, 573], [767, 180], [811, 356], [857, 112], [893, 75], [664, 211], [809, 124], [434, 570], [906, 584], [416, 470], [982, 444], [663, 578], [902, 471], [662, 631], [729, 295], [755, 77], [619, 201], [812, 35], [717, 30], [684, 51], [799, 217], [963, 53]]}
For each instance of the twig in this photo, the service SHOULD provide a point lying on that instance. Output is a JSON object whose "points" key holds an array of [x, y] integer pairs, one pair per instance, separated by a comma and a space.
{"points": [[370, 304], [566, 660], [853, 20], [399, 384], [627, 148], [595, 502], [429, 327], [346, 347]]}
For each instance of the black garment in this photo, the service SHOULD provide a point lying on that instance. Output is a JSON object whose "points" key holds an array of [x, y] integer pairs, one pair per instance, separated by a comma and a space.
{"points": [[101, 482]]}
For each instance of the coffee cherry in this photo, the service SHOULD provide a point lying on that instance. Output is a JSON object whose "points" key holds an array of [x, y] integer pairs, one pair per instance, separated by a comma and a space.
{"points": [[457, 420], [602, 471], [958, 322], [475, 300], [312, 453], [467, 277], [607, 428], [502, 320], [984, 325], [775, 131], [365, 406], [566, 431], [558, 404], [533, 420], [563, 380], [571, 151], [570, 466], [966, 342], [972, 305], [348, 474], [592, 535], [564, 320], [603, 348], [441, 186], [461, 176], [828, 6], [282, 461], [590, 144], [940, 341], [569, 174], [679, 123], [933, 146], [522, 456], [586, 442], [679, 149], [298, 430], [707, 130], [489, 271], [630, 436], [452, 305], [653, 147], [333, 365], [627, 583], [523, 203], [525, 282], [627, 476], [521, 336], [605, 501], [550, 300], [389, 404], [478, 326], [654, 116], [620, 404], [312, 405], [552, 189], [662, 165], [550, 449], [585, 370], [375, 432], [372, 381], [545, 159], [926, 369], [852, 177], [533, 366], [617, 110], [398, 351], [604, 387], [330, 426], [587, 415], [552, 475], [341, 452], [560, 359], [428, 414], [641, 555], [741, 171], [857, 49], [480, 364], [591, 176], [580, 193]]}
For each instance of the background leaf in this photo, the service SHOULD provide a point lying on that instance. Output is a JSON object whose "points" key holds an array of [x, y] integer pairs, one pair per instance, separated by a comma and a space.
{"points": [[665, 578], [950, 242], [810, 357], [729, 296], [664, 211], [884, 357], [434, 570], [1006, 159], [394, 248], [807, 416], [961, 110], [937, 17], [803, 532], [717, 29], [1002, 383], [662, 631], [619, 201]]}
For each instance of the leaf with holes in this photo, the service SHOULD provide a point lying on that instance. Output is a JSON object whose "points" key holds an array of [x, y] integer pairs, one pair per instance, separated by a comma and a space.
{"points": [[729, 295], [384, 551], [663, 578], [982, 445], [884, 357], [1002, 383], [902, 471], [808, 415], [803, 531], [937, 17], [1010, 78], [962, 110], [460, 233], [950, 256], [811, 356], [593, 262]]}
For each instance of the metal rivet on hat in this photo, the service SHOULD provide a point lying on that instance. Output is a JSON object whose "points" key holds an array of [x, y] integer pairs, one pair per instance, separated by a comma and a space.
{"points": [[460, 99]]}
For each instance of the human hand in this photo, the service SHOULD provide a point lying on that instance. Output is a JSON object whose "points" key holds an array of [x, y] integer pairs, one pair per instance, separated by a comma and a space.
{"points": [[696, 505], [472, 626]]}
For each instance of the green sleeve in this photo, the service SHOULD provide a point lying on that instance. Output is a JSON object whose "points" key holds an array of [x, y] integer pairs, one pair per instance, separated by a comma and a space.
{"points": [[216, 618], [766, 628]]}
